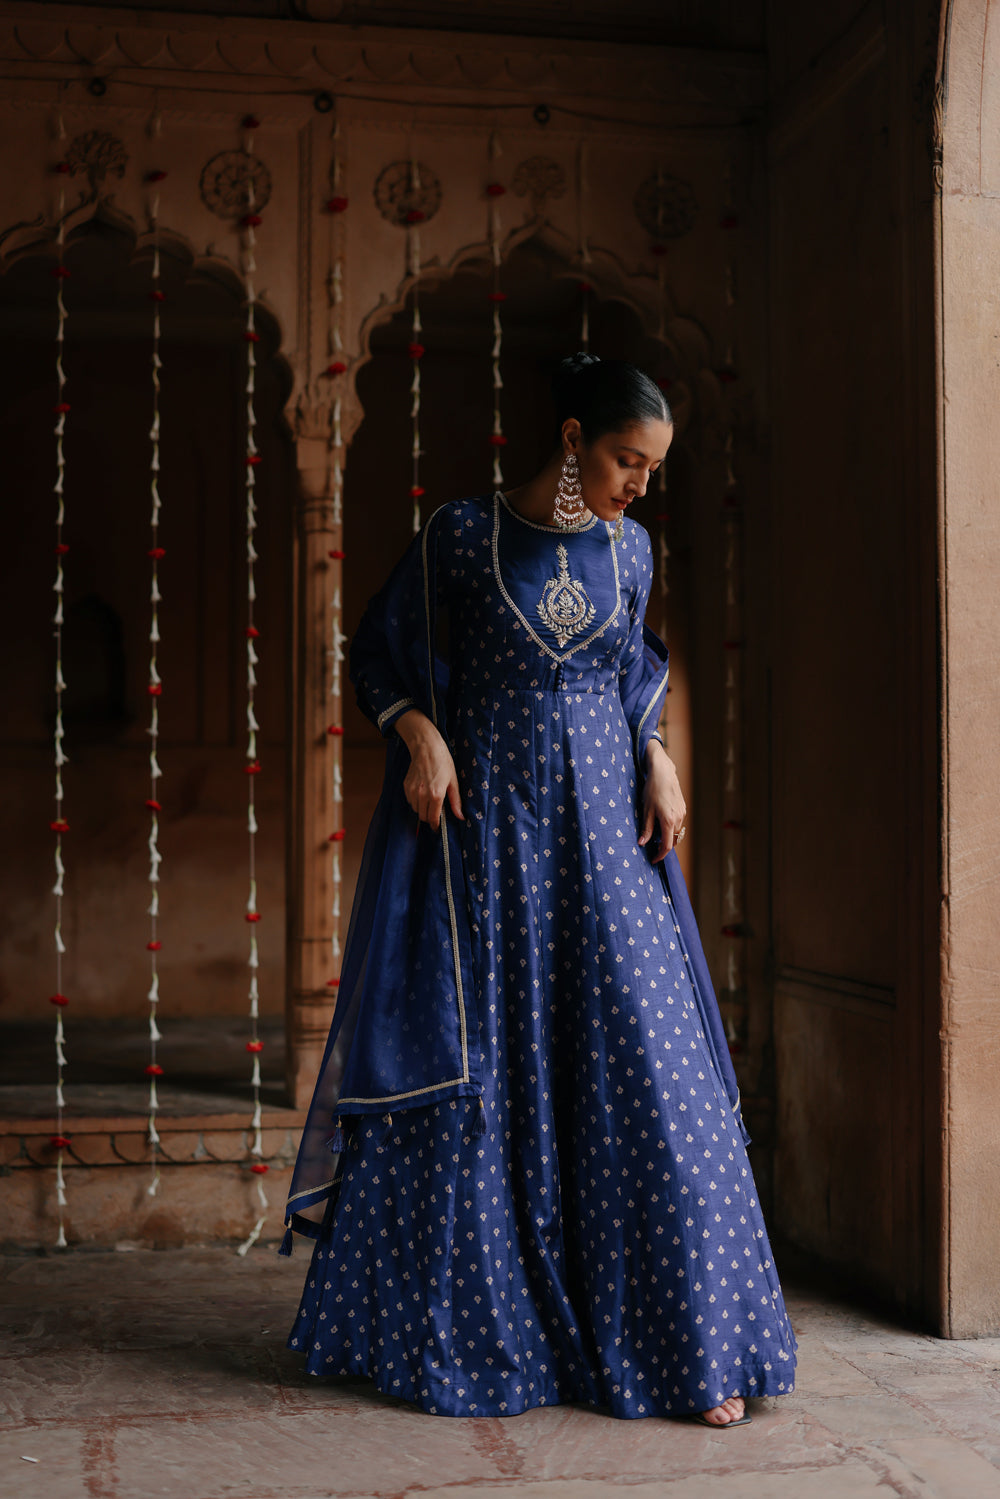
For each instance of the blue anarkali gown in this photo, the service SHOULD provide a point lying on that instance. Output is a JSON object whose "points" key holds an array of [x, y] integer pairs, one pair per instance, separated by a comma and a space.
{"points": [[525, 1165]]}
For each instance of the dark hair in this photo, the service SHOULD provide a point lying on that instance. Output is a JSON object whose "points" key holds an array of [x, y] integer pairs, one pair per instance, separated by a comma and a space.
{"points": [[605, 395]]}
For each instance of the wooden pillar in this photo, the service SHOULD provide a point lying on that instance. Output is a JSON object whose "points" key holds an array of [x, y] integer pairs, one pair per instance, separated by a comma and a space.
{"points": [[312, 814]]}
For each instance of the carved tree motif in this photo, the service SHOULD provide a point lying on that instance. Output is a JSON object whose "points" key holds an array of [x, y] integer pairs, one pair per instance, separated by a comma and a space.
{"points": [[98, 154], [541, 178]]}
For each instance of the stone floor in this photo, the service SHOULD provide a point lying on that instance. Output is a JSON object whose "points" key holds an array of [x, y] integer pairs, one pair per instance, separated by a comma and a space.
{"points": [[140, 1374]]}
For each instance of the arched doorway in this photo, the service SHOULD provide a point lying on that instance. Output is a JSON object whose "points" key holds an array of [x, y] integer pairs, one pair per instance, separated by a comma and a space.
{"points": [[203, 974], [542, 320]]}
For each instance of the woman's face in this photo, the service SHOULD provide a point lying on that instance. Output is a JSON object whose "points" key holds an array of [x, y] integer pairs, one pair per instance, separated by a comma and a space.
{"points": [[615, 468]]}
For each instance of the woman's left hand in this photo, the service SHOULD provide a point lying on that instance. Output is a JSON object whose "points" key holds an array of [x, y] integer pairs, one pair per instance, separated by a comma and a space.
{"points": [[663, 802]]}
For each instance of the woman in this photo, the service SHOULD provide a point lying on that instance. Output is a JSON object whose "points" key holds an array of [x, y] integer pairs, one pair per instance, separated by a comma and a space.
{"points": [[525, 1164]]}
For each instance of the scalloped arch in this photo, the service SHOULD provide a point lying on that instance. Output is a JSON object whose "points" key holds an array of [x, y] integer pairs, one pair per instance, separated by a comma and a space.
{"points": [[699, 393], [37, 237]]}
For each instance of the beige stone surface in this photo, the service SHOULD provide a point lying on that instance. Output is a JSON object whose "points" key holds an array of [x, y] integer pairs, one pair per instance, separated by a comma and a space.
{"points": [[164, 1375], [852, 1481], [969, 265]]}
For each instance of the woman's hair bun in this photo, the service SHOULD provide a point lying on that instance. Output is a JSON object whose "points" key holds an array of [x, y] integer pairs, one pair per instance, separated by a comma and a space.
{"points": [[604, 395], [574, 362]]}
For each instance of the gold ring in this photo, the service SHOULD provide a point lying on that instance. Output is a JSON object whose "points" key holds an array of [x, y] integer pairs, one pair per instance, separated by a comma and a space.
{"points": [[680, 834]]}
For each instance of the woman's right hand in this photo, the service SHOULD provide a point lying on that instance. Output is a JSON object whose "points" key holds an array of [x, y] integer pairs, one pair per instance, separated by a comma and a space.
{"points": [[432, 776]]}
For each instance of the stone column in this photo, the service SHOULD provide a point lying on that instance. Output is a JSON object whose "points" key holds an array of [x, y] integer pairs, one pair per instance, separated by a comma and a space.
{"points": [[312, 813]]}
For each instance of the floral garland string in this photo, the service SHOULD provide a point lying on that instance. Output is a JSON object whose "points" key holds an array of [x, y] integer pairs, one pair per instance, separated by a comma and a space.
{"points": [[60, 1142], [154, 686], [414, 218], [659, 253], [733, 858], [583, 244], [336, 206], [249, 223], [495, 191]]}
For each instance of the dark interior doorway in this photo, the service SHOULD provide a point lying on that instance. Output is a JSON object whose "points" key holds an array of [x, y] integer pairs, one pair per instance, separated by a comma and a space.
{"points": [[204, 982], [542, 322]]}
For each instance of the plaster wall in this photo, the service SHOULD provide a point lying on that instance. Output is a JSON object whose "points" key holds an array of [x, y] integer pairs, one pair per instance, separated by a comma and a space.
{"points": [[174, 93], [968, 322]]}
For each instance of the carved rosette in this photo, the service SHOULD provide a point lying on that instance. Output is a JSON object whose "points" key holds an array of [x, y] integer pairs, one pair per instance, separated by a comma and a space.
{"points": [[406, 190], [225, 184], [665, 206]]}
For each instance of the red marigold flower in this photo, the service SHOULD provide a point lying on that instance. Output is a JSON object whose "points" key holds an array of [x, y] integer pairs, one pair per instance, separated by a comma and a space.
{"points": [[416, 351], [157, 553], [253, 459], [498, 440], [153, 946], [416, 490], [259, 1168], [157, 296], [61, 407], [60, 825], [333, 983], [252, 632], [337, 554], [253, 769], [252, 916], [338, 836], [155, 689], [58, 999], [415, 215], [336, 368], [61, 273], [61, 549], [251, 336], [336, 205], [60, 1142], [497, 296], [154, 1069], [153, 805], [255, 1046], [336, 730]]}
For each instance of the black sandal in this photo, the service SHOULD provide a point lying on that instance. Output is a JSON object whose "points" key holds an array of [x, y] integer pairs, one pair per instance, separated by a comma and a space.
{"points": [[744, 1420]]}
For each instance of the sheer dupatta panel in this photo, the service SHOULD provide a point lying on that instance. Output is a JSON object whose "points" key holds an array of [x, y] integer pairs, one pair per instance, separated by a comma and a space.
{"points": [[405, 1031]]}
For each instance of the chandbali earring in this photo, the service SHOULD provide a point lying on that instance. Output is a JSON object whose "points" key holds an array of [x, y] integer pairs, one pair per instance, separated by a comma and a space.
{"points": [[619, 530], [570, 509]]}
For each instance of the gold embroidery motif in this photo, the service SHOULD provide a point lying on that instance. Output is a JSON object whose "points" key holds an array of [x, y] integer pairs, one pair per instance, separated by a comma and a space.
{"points": [[564, 605]]}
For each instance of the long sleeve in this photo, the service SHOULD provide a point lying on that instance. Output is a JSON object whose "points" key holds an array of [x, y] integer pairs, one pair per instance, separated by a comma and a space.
{"points": [[393, 622], [645, 659]]}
